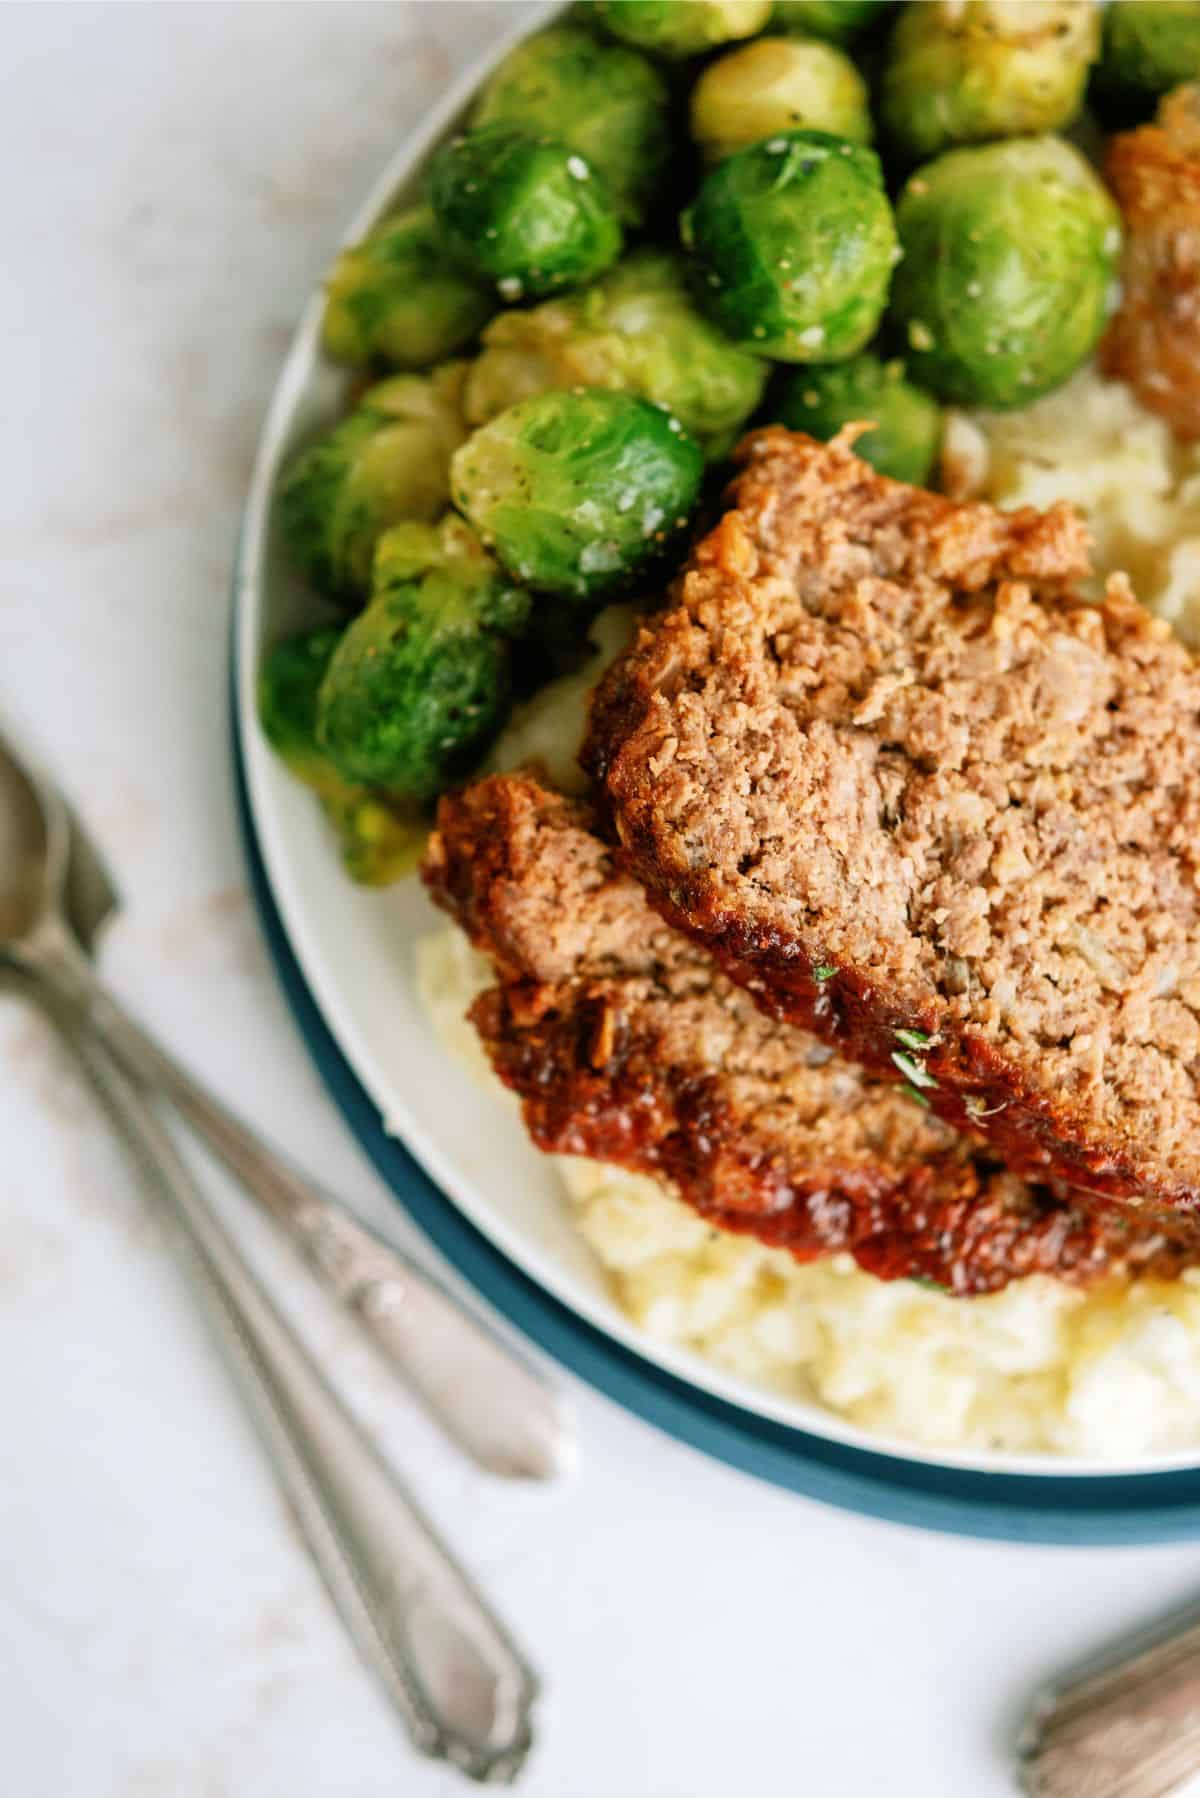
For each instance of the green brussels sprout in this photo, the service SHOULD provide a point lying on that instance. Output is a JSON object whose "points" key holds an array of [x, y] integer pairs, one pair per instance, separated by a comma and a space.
{"points": [[388, 461], [964, 71], [835, 20], [379, 843], [397, 296], [907, 430], [1150, 46], [578, 491], [601, 99], [637, 329], [1007, 276], [682, 27], [420, 682], [522, 211], [778, 84], [793, 244], [289, 678]]}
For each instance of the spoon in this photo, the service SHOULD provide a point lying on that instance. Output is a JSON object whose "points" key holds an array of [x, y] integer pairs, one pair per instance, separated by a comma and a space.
{"points": [[449, 1667], [486, 1396]]}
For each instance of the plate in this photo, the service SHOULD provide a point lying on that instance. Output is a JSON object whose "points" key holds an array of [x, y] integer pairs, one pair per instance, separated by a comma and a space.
{"points": [[462, 1164], [1098, 1510]]}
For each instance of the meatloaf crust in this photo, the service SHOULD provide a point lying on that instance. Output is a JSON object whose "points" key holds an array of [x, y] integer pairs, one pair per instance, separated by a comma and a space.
{"points": [[1153, 342], [919, 797], [626, 1044]]}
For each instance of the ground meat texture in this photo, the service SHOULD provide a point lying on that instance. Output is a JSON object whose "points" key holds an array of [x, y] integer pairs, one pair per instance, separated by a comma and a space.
{"points": [[1153, 342], [921, 799], [626, 1044]]}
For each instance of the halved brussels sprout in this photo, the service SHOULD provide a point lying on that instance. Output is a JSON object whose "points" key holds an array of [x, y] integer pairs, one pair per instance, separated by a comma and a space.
{"points": [[637, 329], [1150, 46], [577, 491], [388, 461], [600, 98], [522, 211], [379, 841], [964, 71], [681, 27], [836, 20], [778, 84], [397, 296], [420, 682], [793, 245], [908, 423], [1007, 276]]}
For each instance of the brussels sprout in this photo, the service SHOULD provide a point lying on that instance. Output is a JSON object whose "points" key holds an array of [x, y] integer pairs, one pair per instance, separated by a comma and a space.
{"points": [[682, 27], [778, 84], [637, 329], [378, 842], [525, 212], [601, 99], [1007, 276], [908, 424], [289, 679], [964, 71], [1150, 46], [836, 20], [793, 244], [578, 491], [397, 296], [421, 681], [388, 461]]}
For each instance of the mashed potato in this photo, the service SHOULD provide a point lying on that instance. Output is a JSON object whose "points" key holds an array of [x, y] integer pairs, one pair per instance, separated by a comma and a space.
{"points": [[1091, 443], [1108, 1374]]}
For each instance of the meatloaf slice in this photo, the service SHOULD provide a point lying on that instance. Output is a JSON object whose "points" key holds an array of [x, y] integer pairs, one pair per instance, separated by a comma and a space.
{"points": [[625, 1043], [910, 789]]}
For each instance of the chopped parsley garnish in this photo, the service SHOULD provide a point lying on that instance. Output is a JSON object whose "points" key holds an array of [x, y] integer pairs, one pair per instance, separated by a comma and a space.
{"points": [[912, 1069], [924, 1280], [910, 1092], [824, 971], [913, 1039]]}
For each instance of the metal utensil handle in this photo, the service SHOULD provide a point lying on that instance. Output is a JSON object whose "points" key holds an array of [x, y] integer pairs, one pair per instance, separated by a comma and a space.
{"points": [[448, 1665], [485, 1395], [1124, 1727]]}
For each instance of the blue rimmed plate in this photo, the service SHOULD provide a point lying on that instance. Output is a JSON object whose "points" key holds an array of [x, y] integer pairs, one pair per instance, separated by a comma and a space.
{"points": [[1051, 1507], [457, 1158]]}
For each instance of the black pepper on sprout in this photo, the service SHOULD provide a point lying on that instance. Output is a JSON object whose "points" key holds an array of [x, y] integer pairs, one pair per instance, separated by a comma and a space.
{"points": [[523, 211], [675, 28], [777, 84], [390, 460], [793, 246], [577, 492], [420, 683], [600, 98], [907, 424], [966, 71], [398, 297], [1007, 276], [637, 329]]}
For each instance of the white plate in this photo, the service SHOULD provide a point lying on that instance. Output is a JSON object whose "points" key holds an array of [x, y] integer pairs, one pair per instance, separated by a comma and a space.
{"points": [[355, 947]]}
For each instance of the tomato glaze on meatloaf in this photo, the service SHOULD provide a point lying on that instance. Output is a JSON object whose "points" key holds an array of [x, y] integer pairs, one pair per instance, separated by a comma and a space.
{"points": [[917, 795], [626, 1043]]}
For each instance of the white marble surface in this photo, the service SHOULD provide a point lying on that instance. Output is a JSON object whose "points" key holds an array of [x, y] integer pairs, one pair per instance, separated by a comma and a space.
{"points": [[172, 181]]}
